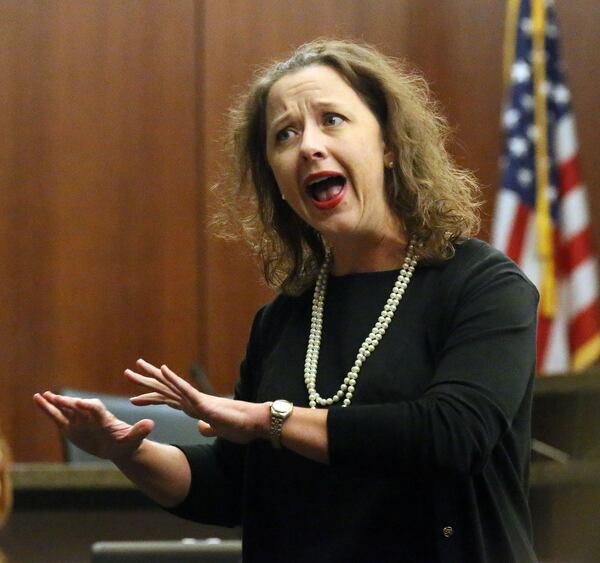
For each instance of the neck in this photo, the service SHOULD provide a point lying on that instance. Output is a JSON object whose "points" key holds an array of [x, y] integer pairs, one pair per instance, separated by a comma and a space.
{"points": [[350, 257]]}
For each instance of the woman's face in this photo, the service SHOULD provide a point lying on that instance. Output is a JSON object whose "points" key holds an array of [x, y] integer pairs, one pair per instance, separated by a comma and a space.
{"points": [[326, 150]]}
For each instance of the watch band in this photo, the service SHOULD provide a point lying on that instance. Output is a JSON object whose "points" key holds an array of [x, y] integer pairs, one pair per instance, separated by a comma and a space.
{"points": [[280, 410]]}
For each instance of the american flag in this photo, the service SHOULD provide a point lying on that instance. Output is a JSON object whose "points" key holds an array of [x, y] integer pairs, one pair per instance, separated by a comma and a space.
{"points": [[541, 219]]}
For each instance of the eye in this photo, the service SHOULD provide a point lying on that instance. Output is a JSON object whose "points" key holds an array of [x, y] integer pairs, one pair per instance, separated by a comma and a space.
{"points": [[284, 134], [333, 119]]}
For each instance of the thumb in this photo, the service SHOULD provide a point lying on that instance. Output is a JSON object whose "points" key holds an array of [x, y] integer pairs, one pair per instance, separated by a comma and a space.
{"points": [[140, 430], [206, 429]]}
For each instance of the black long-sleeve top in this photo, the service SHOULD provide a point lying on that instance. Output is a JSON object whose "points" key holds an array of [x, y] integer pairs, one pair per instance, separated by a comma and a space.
{"points": [[429, 463]]}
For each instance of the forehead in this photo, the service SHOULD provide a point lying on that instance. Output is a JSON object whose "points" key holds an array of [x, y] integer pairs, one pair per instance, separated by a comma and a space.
{"points": [[315, 83]]}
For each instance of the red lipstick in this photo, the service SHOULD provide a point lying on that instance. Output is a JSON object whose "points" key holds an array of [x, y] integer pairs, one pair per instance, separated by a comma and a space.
{"points": [[312, 179], [333, 202]]}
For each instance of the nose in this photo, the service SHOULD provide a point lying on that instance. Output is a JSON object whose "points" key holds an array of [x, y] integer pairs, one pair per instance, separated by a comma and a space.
{"points": [[313, 143]]}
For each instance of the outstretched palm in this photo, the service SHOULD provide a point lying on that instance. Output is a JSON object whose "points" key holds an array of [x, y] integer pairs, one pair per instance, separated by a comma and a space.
{"points": [[91, 427], [237, 421]]}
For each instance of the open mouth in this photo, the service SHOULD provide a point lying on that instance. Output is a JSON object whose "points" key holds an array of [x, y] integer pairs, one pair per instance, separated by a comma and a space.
{"points": [[328, 191]]}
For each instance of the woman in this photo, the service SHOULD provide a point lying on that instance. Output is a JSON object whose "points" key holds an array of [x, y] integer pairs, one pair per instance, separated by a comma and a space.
{"points": [[383, 408]]}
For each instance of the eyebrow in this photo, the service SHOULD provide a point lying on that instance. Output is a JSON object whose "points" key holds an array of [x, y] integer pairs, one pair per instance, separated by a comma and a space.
{"points": [[274, 125], [326, 104]]}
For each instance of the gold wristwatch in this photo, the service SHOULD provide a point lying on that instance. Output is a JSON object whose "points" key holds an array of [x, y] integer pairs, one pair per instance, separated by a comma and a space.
{"points": [[280, 410]]}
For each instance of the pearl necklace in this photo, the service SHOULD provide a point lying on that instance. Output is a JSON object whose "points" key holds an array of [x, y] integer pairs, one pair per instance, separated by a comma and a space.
{"points": [[370, 343]]}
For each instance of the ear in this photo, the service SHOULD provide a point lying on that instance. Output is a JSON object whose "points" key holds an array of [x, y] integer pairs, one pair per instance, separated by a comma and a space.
{"points": [[389, 158]]}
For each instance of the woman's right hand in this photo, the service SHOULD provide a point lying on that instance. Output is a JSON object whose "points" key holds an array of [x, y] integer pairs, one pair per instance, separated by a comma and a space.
{"points": [[91, 427]]}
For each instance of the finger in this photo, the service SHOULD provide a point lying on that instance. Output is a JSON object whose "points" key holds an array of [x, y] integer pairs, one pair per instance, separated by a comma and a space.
{"points": [[150, 383], [155, 399], [91, 405], [50, 410], [61, 401], [74, 409], [155, 372], [206, 429], [69, 413], [148, 367], [183, 387], [77, 418], [91, 408]]}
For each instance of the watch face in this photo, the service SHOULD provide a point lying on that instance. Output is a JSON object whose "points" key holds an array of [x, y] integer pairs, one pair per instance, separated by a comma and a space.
{"points": [[282, 406]]}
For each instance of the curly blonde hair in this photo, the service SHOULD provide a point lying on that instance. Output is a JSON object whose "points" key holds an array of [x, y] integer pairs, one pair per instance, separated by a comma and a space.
{"points": [[436, 201]]}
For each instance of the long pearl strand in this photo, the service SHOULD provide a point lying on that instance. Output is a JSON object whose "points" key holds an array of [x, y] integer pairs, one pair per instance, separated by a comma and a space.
{"points": [[346, 389]]}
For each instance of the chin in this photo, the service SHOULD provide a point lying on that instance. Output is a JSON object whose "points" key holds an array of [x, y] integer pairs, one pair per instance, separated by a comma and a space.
{"points": [[339, 228]]}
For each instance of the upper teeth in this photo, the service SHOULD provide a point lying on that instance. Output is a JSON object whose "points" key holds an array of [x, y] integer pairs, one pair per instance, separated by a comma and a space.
{"points": [[320, 179]]}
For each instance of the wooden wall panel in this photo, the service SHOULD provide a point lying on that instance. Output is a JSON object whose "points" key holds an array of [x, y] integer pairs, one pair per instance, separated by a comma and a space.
{"points": [[98, 200], [458, 48]]}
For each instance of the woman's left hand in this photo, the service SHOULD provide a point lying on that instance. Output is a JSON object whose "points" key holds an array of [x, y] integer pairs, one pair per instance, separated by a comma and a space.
{"points": [[237, 421]]}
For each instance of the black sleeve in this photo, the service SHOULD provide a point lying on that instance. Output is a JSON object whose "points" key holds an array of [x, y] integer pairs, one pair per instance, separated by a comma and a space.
{"points": [[215, 493], [484, 366]]}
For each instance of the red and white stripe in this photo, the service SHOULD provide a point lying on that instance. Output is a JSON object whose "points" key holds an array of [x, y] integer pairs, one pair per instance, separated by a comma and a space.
{"points": [[570, 340]]}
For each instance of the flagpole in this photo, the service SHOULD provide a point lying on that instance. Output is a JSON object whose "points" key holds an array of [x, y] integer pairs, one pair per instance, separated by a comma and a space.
{"points": [[510, 39], [543, 219]]}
